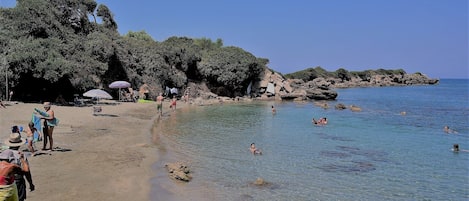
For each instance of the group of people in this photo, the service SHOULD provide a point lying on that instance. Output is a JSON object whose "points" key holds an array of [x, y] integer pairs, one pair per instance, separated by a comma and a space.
{"points": [[159, 103], [14, 170], [14, 166]]}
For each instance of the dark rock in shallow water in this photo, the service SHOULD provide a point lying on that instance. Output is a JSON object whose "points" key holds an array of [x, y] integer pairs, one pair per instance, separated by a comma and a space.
{"points": [[245, 197], [355, 167], [334, 154], [178, 171]]}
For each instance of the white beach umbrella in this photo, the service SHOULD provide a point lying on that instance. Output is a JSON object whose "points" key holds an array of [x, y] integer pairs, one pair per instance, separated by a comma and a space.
{"points": [[97, 93], [119, 85]]}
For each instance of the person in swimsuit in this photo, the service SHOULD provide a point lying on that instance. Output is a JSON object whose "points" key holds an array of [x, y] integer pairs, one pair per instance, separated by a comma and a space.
{"points": [[173, 104], [159, 103], [321, 121], [254, 150], [49, 123], [30, 136]]}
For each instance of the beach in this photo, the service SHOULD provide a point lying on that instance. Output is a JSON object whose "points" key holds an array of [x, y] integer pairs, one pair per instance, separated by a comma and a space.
{"points": [[107, 156]]}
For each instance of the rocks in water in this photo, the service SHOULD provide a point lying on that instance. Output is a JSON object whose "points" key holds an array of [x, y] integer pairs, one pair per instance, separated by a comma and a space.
{"points": [[340, 106], [355, 108], [179, 171], [259, 182]]}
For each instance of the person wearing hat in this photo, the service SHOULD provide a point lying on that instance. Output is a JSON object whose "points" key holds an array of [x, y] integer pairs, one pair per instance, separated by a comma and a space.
{"points": [[8, 169], [14, 142], [49, 123]]}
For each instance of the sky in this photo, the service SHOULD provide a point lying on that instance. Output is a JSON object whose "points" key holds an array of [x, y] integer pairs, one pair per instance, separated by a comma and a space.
{"points": [[426, 36]]}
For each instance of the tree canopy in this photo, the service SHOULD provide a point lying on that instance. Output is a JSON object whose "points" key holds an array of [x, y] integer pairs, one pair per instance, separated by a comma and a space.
{"points": [[58, 47]]}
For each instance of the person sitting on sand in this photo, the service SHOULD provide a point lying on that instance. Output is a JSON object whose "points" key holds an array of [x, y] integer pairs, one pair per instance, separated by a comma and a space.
{"points": [[254, 150]]}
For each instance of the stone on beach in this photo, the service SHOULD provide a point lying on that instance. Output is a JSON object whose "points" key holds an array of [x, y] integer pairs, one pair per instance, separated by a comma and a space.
{"points": [[178, 171]]}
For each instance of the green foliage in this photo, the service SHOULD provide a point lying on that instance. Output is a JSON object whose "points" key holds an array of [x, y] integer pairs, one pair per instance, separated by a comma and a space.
{"points": [[231, 67], [141, 35], [47, 44], [309, 74], [343, 74]]}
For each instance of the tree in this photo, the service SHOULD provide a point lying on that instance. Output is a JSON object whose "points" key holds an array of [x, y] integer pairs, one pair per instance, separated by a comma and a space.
{"points": [[230, 68], [343, 74], [108, 20]]}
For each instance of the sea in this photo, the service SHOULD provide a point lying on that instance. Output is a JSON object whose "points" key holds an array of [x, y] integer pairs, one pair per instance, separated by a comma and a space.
{"points": [[395, 148]]}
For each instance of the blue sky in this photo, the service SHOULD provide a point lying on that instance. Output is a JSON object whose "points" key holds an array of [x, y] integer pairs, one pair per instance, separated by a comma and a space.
{"points": [[427, 36]]}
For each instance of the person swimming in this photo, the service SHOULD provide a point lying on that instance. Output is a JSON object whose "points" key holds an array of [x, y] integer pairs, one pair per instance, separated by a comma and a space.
{"points": [[255, 150], [449, 130], [321, 121], [457, 149]]}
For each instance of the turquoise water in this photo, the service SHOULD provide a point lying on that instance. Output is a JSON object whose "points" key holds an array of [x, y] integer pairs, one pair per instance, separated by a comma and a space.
{"points": [[375, 154]]}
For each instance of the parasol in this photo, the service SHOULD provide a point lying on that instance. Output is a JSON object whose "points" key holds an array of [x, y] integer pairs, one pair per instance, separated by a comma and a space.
{"points": [[97, 93], [119, 85]]}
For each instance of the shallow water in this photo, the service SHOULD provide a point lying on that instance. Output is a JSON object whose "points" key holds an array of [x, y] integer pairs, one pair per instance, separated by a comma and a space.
{"points": [[376, 154]]}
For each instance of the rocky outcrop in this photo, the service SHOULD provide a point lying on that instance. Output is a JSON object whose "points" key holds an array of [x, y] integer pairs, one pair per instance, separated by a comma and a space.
{"points": [[383, 80], [178, 171], [274, 86]]}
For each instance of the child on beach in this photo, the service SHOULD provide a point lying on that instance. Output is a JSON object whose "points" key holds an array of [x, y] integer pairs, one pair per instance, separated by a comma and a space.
{"points": [[30, 137], [173, 104]]}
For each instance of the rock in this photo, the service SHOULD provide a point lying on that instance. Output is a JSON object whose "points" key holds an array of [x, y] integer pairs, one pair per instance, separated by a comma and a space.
{"points": [[320, 94], [178, 171], [259, 181], [340, 106], [355, 108], [323, 105]]}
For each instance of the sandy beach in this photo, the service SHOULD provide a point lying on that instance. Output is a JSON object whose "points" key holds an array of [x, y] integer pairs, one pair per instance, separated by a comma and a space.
{"points": [[103, 157]]}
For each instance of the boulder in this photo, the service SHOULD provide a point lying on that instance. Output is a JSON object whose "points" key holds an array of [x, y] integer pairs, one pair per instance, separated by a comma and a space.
{"points": [[340, 106], [178, 171], [320, 94], [355, 108]]}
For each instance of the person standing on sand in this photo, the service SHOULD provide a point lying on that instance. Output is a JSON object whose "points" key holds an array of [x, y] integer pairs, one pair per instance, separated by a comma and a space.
{"points": [[49, 123], [14, 142], [159, 103], [8, 190], [30, 136], [10, 171]]}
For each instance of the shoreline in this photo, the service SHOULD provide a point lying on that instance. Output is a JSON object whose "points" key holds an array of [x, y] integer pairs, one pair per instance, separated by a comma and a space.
{"points": [[115, 155]]}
